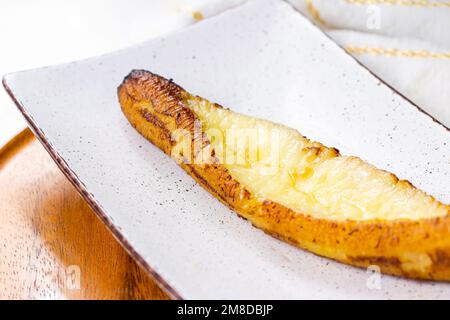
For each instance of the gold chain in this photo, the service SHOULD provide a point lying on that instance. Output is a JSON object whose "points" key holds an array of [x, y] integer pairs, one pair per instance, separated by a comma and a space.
{"points": [[411, 3], [314, 12], [397, 52]]}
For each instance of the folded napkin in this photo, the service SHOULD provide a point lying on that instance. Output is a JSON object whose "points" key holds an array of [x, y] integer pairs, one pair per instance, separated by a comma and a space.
{"points": [[405, 42]]}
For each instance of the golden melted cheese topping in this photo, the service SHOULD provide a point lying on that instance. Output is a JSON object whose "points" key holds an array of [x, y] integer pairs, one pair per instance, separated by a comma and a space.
{"points": [[277, 163]]}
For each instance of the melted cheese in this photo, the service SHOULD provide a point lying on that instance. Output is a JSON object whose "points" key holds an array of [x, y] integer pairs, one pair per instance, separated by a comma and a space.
{"points": [[279, 164]]}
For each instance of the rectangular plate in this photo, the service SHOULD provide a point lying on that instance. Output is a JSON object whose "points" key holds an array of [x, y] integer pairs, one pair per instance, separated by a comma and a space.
{"points": [[263, 59]]}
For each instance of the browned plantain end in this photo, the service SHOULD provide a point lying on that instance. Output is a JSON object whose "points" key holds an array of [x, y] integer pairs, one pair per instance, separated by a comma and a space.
{"points": [[415, 248]]}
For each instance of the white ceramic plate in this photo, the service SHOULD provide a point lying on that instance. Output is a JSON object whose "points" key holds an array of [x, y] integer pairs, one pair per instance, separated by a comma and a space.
{"points": [[263, 59]]}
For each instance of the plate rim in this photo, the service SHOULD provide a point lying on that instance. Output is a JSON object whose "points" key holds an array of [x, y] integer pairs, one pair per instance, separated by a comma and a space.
{"points": [[89, 198]]}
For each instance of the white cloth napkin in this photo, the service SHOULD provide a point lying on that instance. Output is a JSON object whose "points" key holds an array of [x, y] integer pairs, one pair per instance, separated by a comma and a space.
{"points": [[405, 42]]}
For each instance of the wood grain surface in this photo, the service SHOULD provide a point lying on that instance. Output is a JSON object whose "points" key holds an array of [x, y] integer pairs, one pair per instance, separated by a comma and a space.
{"points": [[52, 245]]}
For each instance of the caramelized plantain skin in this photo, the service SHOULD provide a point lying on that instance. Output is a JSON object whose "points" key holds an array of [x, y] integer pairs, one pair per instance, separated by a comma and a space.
{"points": [[418, 249]]}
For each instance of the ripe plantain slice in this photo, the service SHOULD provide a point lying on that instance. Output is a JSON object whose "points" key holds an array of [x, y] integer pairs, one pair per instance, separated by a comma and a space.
{"points": [[292, 188]]}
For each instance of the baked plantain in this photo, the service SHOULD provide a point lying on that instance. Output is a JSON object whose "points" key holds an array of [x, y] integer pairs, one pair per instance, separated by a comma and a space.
{"points": [[295, 189]]}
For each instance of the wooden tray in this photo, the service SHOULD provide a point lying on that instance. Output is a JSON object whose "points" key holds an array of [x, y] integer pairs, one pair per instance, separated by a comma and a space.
{"points": [[52, 245]]}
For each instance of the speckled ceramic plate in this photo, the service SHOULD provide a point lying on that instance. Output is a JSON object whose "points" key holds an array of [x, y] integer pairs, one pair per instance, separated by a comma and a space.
{"points": [[262, 59]]}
